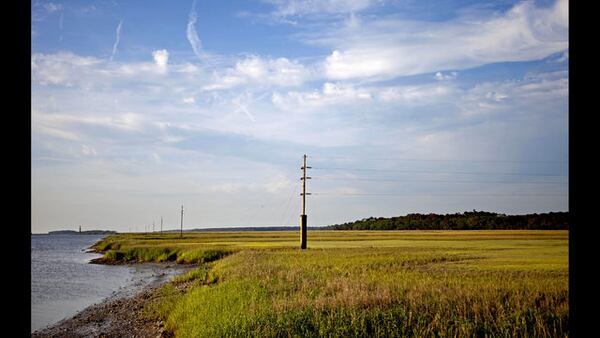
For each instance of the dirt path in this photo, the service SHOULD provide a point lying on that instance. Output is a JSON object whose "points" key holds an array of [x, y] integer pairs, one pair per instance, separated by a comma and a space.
{"points": [[117, 316]]}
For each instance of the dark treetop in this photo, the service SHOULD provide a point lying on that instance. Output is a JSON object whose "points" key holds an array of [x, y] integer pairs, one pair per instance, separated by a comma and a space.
{"points": [[474, 220]]}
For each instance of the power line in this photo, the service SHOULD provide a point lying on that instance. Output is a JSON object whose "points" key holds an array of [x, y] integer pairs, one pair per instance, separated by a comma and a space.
{"points": [[439, 172], [435, 195], [434, 160], [439, 181], [285, 211], [291, 214]]}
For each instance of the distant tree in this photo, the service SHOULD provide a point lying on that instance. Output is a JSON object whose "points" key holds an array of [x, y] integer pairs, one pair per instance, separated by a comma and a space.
{"points": [[471, 220]]}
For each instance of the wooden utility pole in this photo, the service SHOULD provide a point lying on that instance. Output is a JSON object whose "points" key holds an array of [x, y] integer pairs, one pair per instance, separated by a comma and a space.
{"points": [[303, 220], [161, 222], [181, 233]]}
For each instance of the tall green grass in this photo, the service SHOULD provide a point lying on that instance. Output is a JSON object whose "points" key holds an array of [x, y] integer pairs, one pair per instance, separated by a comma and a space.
{"points": [[138, 249], [396, 284]]}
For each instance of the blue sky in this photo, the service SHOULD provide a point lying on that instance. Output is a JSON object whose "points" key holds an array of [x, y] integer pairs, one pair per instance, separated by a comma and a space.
{"points": [[402, 106]]}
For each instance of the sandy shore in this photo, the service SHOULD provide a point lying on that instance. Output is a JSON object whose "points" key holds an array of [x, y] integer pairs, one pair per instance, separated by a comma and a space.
{"points": [[118, 315]]}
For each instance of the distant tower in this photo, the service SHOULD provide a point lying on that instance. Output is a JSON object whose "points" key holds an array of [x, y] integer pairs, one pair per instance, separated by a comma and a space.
{"points": [[80, 229], [181, 233]]}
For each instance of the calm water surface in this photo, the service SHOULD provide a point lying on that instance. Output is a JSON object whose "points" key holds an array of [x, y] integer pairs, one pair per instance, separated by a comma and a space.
{"points": [[64, 283]]}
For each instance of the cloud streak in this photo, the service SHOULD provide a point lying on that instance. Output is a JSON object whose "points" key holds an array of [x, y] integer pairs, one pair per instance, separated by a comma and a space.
{"points": [[191, 33], [118, 38]]}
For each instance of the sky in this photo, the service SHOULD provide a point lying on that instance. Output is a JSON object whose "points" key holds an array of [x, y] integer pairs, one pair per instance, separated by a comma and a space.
{"points": [[403, 106]]}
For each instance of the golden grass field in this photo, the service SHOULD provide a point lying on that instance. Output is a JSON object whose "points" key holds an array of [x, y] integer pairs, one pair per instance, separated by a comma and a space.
{"points": [[501, 283]]}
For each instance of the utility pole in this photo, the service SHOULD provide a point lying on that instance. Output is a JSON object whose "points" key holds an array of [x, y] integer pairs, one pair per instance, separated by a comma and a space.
{"points": [[161, 224], [303, 220], [181, 233]]}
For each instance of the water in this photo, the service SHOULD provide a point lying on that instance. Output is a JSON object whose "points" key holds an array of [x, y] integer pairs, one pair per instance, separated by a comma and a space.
{"points": [[64, 283]]}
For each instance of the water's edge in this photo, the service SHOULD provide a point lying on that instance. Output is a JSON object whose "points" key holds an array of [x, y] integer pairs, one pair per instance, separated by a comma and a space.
{"points": [[65, 283], [119, 314], [152, 276]]}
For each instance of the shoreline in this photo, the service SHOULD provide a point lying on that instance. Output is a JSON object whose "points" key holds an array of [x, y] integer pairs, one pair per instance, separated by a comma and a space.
{"points": [[118, 315]]}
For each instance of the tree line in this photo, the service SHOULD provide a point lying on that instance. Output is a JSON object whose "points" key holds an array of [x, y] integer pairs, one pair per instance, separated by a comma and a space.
{"points": [[470, 220]]}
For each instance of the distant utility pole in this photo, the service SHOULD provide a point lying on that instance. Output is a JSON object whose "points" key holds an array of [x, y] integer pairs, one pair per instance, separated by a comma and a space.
{"points": [[80, 229], [161, 224], [181, 233], [303, 220]]}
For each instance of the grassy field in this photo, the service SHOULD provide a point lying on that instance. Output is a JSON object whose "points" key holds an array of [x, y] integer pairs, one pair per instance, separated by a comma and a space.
{"points": [[359, 283]]}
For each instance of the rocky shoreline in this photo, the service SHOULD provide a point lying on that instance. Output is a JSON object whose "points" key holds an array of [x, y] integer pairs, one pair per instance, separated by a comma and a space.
{"points": [[119, 314]]}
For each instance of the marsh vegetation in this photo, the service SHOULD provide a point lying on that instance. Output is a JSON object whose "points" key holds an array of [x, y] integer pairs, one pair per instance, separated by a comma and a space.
{"points": [[358, 283]]}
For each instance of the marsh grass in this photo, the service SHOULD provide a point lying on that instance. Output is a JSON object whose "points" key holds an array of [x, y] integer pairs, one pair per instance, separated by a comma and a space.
{"points": [[357, 284]]}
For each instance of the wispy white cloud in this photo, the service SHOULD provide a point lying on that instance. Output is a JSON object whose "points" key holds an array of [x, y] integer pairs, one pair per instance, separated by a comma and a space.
{"points": [[344, 94], [331, 94], [242, 106], [521, 97], [441, 76], [418, 94], [57, 69], [285, 8], [41, 11], [126, 121], [117, 39], [390, 47], [191, 33], [262, 72], [55, 132], [189, 100], [52, 7], [88, 150]]}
